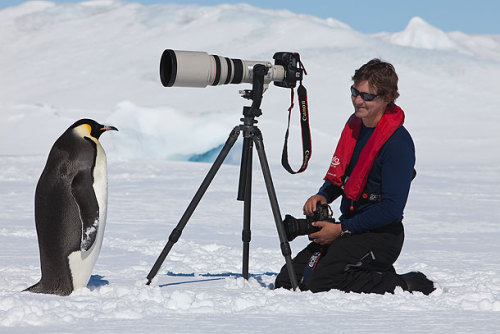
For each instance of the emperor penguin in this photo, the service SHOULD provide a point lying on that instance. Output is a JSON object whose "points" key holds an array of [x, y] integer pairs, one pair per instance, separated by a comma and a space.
{"points": [[70, 208]]}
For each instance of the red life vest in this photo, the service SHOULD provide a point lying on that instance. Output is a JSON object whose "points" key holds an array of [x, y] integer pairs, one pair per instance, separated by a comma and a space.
{"points": [[392, 119]]}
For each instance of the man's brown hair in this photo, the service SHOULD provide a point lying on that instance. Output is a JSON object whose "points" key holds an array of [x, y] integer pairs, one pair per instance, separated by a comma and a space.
{"points": [[381, 76]]}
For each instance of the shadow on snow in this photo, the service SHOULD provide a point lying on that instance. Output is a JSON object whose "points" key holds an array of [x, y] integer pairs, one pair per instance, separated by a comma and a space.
{"points": [[207, 277], [96, 281]]}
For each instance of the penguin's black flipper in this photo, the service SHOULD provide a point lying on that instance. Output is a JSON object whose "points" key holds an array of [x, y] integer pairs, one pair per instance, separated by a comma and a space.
{"points": [[89, 209]]}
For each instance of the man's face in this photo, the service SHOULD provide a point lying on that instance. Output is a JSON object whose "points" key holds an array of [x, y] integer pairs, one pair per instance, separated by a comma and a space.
{"points": [[370, 112]]}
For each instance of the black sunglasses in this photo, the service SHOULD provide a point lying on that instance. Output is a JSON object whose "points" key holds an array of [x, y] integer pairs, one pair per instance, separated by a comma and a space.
{"points": [[364, 96]]}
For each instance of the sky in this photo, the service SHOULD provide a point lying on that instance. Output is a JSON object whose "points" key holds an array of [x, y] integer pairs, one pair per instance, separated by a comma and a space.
{"points": [[368, 16]]}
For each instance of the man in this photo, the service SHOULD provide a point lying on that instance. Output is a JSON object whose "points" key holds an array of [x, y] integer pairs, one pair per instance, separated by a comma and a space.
{"points": [[372, 170]]}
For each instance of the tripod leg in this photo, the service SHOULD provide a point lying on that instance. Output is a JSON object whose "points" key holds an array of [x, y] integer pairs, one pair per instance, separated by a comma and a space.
{"points": [[246, 166], [245, 155], [285, 246], [176, 233]]}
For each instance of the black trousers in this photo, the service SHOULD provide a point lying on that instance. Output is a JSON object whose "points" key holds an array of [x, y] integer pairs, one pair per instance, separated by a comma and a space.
{"points": [[359, 263]]}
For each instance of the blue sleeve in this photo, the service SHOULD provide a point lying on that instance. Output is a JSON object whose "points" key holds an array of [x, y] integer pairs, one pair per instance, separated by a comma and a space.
{"points": [[330, 191], [397, 166]]}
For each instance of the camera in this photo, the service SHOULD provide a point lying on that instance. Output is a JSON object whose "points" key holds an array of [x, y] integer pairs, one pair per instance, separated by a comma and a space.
{"points": [[199, 69], [295, 227]]}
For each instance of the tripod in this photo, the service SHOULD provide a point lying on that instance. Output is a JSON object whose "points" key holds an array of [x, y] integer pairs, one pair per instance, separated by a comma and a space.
{"points": [[251, 135]]}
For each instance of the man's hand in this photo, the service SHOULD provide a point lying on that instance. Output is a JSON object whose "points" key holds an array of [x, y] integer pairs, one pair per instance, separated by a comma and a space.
{"points": [[311, 203], [329, 232]]}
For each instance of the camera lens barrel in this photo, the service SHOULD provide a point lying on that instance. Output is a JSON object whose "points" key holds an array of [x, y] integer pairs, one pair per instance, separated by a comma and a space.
{"points": [[199, 69]]}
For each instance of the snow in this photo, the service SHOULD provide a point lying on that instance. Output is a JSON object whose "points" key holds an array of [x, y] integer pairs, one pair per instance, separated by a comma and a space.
{"points": [[99, 59], [420, 34]]}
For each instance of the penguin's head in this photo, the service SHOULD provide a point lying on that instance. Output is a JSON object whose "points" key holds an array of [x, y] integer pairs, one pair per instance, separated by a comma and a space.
{"points": [[88, 127]]}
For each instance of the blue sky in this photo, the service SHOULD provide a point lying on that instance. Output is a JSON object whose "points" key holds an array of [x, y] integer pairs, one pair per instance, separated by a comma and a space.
{"points": [[369, 16]]}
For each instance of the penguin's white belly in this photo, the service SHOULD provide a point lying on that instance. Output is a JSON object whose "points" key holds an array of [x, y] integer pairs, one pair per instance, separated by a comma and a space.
{"points": [[81, 263]]}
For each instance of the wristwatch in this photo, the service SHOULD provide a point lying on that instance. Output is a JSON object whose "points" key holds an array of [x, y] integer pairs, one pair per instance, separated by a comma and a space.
{"points": [[345, 232]]}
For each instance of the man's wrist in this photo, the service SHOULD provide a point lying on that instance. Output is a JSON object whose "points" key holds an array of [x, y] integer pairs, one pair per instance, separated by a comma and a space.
{"points": [[345, 232]]}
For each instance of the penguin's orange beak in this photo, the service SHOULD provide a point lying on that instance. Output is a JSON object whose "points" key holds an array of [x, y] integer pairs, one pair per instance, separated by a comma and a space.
{"points": [[108, 127]]}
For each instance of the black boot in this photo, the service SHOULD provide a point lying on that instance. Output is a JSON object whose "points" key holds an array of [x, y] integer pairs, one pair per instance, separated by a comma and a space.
{"points": [[416, 281]]}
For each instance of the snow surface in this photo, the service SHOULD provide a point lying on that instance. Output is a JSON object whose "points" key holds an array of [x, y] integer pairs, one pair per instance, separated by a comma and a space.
{"points": [[99, 59]]}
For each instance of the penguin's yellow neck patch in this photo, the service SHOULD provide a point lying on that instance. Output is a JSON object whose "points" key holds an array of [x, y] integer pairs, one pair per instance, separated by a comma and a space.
{"points": [[83, 130]]}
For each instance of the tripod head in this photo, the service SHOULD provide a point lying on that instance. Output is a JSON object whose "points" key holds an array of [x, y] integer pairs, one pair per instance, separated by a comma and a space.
{"points": [[259, 72]]}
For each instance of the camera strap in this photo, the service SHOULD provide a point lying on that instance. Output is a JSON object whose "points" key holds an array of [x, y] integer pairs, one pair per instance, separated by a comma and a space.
{"points": [[304, 124], [310, 266]]}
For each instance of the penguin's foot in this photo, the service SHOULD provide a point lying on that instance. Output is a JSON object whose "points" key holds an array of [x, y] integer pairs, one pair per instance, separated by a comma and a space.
{"points": [[40, 288]]}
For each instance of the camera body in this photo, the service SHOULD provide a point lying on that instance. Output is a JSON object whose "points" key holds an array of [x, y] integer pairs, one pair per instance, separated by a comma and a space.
{"points": [[293, 72], [295, 227]]}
